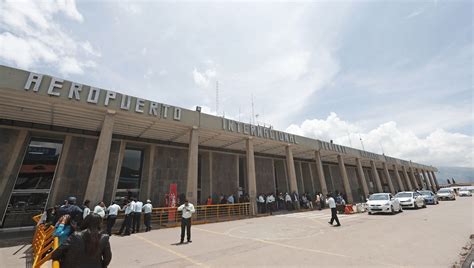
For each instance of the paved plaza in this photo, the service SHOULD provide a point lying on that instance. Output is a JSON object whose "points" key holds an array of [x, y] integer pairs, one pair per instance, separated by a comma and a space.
{"points": [[431, 237]]}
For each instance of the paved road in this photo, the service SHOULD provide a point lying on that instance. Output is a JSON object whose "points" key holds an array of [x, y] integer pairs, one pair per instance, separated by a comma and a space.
{"points": [[430, 237]]}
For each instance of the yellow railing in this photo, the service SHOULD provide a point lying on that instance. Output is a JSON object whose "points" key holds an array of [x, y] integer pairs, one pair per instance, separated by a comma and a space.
{"points": [[43, 244], [170, 217]]}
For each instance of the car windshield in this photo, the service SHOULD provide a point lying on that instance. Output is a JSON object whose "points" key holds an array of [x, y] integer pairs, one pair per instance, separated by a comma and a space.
{"points": [[378, 197], [463, 189], [425, 192], [403, 195], [444, 191]]}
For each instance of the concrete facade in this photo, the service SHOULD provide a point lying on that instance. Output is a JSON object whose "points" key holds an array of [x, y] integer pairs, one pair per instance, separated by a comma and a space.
{"points": [[203, 154]]}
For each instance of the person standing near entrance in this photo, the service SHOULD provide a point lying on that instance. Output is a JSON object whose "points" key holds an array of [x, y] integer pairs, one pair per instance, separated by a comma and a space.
{"points": [[187, 212], [126, 224], [332, 206], [147, 209], [137, 216], [112, 216]]}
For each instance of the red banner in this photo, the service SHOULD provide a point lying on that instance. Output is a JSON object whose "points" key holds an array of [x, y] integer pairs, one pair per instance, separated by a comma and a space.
{"points": [[173, 200]]}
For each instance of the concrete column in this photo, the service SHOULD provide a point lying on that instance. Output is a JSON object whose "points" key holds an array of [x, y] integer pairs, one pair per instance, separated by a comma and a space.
{"points": [[52, 199], [320, 171], [376, 177], [428, 182], [192, 178], [251, 180], [360, 172], [345, 179], [96, 184], [435, 180], [389, 179], [433, 185], [413, 178], [399, 180], [419, 180], [291, 170], [10, 173], [407, 178]]}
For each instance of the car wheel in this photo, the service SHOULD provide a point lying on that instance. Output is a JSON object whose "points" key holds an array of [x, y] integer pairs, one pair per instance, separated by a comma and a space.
{"points": [[370, 213], [400, 209], [392, 210], [415, 206], [424, 204]]}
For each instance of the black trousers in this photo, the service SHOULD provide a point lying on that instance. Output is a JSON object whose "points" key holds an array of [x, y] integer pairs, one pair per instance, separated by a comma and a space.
{"points": [[126, 224], [137, 217], [110, 223], [186, 226], [334, 216], [147, 222]]}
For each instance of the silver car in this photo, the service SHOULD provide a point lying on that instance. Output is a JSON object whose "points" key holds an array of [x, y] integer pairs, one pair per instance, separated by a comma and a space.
{"points": [[446, 194]]}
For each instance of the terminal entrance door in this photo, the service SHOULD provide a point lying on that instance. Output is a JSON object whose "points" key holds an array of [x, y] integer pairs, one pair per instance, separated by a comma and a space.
{"points": [[33, 183]]}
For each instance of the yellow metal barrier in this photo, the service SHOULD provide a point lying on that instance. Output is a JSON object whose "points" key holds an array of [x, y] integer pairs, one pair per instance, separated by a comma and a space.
{"points": [[170, 217], [43, 244]]}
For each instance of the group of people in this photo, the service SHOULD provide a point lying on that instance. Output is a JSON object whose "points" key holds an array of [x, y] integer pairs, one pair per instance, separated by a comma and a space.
{"points": [[267, 203], [133, 210], [79, 234]]}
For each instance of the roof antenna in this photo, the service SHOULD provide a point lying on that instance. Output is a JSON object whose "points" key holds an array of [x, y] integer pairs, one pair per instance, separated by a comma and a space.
{"points": [[217, 97], [253, 113]]}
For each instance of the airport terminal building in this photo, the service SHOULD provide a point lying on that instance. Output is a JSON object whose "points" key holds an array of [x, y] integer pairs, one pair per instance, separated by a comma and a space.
{"points": [[60, 138]]}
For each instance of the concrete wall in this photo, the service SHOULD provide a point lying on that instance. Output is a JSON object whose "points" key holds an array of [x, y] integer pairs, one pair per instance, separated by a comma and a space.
{"points": [[394, 181], [370, 180], [8, 139], [205, 176], [317, 184], [299, 178], [77, 169], [356, 187], [281, 175], [112, 171], [224, 174], [336, 178], [170, 166], [264, 175], [306, 172], [383, 180], [328, 178]]}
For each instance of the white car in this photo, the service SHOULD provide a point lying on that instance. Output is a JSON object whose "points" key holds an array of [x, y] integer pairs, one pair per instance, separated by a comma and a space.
{"points": [[446, 193], [464, 192], [384, 203], [411, 199]]}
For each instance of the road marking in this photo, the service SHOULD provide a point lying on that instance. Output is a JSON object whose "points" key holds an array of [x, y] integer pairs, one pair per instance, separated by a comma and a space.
{"points": [[289, 246], [182, 256]]}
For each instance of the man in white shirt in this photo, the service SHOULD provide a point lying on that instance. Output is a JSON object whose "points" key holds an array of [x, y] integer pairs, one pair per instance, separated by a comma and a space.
{"points": [[137, 216], [260, 203], [100, 209], [147, 209], [270, 202], [332, 206], [128, 219], [112, 210], [187, 212], [288, 201], [230, 199], [86, 210]]}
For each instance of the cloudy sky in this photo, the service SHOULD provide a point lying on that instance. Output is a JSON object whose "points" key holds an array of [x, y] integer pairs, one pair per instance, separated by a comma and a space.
{"points": [[397, 75]]}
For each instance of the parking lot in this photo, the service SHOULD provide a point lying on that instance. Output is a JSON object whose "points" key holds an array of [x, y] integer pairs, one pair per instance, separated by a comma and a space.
{"points": [[430, 237]]}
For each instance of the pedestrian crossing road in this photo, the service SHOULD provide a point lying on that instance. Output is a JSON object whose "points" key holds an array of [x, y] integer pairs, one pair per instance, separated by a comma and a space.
{"points": [[323, 215]]}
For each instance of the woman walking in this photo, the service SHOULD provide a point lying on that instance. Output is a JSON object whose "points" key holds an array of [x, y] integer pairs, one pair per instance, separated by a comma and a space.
{"points": [[88, 248]]}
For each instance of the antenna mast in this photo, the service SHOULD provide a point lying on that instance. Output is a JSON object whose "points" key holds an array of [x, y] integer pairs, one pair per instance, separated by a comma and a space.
{"points": [[217, 97], [253, 113], [361, 143]]}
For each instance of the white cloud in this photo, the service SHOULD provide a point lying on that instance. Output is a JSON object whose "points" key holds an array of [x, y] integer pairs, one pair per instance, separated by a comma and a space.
{"points": [[31, 36], [438, 148], [203, 79]]}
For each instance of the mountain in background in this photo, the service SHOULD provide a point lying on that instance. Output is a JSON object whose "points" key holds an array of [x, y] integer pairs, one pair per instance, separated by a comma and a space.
{"points": [[460, 174]]}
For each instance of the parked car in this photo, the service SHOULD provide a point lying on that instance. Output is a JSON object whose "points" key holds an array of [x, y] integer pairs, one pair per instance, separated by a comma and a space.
{"points": [[429, 196], [446, 194], [384, 203], [464, 192], [410, 199]]}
